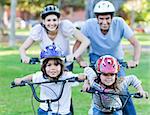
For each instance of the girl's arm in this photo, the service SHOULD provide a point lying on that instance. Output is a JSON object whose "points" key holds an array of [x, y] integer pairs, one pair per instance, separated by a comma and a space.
{"points": [[26, 78], [142, 92], [135, 82]]}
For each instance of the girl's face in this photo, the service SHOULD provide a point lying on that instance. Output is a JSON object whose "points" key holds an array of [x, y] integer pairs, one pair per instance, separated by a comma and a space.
{"points": [[53, 69], [51, 22], [104, 21], [108, 78]]}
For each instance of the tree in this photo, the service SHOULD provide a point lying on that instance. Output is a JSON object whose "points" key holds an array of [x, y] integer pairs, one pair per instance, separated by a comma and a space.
{"points": [[12, 39]]}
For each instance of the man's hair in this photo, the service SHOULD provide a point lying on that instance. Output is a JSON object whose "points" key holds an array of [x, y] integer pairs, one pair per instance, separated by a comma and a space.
{"points": [[108, 13]]}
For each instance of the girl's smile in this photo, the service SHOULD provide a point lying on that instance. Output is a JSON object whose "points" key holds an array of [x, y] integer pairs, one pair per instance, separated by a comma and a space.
{"points": [[108, 79]]}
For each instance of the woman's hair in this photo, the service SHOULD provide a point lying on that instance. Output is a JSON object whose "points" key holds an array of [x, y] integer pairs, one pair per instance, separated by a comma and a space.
{"points": [[56, 60]]}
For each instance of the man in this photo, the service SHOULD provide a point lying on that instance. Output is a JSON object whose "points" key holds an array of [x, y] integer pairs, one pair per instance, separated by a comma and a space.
{"points": [[105, 33]]}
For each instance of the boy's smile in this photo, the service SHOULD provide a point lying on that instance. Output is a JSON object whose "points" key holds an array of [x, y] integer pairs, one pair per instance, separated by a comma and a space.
{"points": [[53, 69]]}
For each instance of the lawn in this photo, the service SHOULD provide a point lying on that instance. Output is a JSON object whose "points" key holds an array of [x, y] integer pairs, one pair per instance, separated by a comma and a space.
{"points": [[17, 101]]}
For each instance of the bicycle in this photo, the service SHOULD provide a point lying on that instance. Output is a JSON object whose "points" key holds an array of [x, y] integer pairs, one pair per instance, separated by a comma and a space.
{"points": [[110, 110], [48, 101]]}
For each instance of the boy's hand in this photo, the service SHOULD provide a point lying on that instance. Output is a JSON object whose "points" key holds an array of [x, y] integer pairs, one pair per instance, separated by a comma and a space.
{"points": [[18, 81]]}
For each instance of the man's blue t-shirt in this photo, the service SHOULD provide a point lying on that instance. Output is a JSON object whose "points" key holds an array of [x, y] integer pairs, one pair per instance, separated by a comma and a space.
{"points": [[111, 42]]}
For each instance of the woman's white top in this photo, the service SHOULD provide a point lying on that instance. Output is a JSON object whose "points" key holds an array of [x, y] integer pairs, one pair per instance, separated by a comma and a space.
{"points": [[65, 32]]}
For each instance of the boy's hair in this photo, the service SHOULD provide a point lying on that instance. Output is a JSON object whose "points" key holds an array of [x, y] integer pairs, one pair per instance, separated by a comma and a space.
{"points": [[56, 60]]}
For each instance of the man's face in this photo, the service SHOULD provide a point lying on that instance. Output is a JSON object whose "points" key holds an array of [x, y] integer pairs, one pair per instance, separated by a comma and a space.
{"points": [[104, 21]]}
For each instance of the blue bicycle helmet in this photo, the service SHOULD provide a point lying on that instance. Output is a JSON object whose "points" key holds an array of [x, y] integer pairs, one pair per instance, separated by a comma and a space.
{"points": [[50, 9], [50, 52]]}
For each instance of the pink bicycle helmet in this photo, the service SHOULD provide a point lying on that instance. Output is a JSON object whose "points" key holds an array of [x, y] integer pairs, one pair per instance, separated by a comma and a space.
{"points": [[107, 64]]}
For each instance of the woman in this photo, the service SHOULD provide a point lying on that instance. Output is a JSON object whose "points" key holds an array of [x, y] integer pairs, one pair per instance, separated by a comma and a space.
{"points": [[53, 31]]}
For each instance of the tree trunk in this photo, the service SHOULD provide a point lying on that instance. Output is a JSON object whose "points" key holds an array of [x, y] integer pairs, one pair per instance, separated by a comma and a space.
{"points": [[12, 39]]}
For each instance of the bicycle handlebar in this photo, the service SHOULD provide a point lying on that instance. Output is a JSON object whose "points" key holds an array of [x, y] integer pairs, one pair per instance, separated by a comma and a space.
{"points": [[24, 83], [112, 109], [93, 90]]}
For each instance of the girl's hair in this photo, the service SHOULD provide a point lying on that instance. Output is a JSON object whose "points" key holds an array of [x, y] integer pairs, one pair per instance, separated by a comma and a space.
{"points": [[56, 60]]}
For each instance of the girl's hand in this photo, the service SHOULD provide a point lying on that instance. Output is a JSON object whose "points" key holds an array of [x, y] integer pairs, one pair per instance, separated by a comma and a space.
{"points": [[18, 81], [86, 85], [25, 59], [83, 64], [143, 93]]}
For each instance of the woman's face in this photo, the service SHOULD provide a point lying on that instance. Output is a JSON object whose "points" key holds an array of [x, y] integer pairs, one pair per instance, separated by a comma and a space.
{"points": [[51, 22], [53, 69], [108, 78]]}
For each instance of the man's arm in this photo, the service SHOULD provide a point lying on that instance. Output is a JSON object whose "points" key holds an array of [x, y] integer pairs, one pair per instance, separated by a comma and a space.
{"points": [[137, 52]]}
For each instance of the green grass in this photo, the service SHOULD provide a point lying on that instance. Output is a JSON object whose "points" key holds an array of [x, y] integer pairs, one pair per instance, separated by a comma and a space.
{"points": [[144, 39], [17, 101]]}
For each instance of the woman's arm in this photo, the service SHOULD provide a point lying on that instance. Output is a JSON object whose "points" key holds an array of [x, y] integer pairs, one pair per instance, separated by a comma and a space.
{"points": [[84, 43], [23, 48]]}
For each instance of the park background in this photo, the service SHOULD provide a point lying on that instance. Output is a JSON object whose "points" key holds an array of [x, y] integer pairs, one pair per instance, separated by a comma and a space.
{"points": [[14, 29]]}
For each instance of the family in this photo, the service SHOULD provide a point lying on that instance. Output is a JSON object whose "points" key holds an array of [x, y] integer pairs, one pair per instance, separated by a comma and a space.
{"points": [[103, 36]]}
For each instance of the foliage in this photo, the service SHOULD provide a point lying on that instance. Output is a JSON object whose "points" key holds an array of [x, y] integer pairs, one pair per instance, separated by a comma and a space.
{"points": [[140, 9]]}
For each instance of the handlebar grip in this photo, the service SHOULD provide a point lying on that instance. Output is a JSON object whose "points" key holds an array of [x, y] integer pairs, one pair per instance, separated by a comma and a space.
{"points": [[137, 95], [91, 90], [124, 64], [14, 85], [74, 79], [34, 61]]}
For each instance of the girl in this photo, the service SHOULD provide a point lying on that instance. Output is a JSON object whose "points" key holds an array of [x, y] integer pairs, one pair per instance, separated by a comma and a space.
{"points": [[106, 79], [53, 31], [52, 68]]}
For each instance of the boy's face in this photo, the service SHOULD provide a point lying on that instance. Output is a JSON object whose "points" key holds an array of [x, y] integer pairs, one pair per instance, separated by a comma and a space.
{"points": [[51, 22], [104, 21], [108, 78], [53, 69]]}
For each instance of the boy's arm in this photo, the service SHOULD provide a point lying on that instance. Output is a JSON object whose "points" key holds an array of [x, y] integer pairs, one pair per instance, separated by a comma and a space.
{"points": [[26, 78]]}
